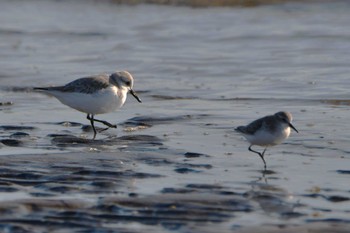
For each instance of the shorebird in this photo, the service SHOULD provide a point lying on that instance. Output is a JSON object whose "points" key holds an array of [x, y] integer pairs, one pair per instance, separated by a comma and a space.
{"points": [[94, 95], [267, 131]]}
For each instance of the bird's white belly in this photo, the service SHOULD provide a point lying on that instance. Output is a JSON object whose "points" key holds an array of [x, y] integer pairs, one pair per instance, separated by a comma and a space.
{"points": [[266, 138], [103, 101]]}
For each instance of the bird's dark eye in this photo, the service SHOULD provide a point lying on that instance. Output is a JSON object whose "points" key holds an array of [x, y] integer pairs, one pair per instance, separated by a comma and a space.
{"points": [[128, 83]]}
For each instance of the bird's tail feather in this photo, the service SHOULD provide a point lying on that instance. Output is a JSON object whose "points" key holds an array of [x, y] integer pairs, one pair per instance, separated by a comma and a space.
{"points": [[240, 129], [40, 88]]}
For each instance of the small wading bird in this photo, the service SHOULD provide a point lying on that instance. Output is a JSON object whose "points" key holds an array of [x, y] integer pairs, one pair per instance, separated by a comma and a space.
{"points": [[95, 95], [267, 131]]}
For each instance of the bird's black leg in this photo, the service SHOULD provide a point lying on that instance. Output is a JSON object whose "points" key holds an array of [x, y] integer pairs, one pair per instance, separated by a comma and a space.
{"points": [[106, 123], [260, 154], [91, 118]]}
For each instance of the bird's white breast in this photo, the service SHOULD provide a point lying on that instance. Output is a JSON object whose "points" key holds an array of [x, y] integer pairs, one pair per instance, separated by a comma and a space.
{"points": [[102, 101], [268, 138]]}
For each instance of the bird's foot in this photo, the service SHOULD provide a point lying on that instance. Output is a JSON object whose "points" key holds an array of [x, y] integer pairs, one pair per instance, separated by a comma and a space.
{"points": [[109, 125], [101, 130]]}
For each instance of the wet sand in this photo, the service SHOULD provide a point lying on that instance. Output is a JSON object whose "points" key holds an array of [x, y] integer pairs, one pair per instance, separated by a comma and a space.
{"points": [[134, 192], [139, 182]]}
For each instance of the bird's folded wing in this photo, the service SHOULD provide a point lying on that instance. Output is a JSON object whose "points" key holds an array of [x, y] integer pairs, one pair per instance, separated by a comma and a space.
{"points": [[85, 85]]}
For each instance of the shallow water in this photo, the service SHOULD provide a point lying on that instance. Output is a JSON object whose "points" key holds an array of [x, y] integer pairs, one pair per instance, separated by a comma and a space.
{"points": [[174, 162]]}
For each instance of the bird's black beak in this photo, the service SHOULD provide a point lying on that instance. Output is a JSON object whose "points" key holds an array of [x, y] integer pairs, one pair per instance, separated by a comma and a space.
{"points": [[290, 125], [134, 94]]}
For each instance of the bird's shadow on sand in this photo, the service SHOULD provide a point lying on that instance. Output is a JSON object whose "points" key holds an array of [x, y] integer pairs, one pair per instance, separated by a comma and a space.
{"points": [[71, 140]]}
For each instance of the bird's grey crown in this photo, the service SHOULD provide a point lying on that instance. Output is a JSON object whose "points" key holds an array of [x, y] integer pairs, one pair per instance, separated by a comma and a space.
{"points": [[121, 79], [284, 115]]}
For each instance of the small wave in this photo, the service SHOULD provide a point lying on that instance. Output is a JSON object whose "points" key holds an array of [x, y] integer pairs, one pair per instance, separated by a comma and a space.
{"points": [[8, 31], [209, 3], [337, 102]]}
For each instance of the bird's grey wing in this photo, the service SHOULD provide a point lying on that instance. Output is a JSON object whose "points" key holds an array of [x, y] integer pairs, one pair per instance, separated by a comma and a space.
{"points": [[85, 85], [270, 123], [252, 127]]}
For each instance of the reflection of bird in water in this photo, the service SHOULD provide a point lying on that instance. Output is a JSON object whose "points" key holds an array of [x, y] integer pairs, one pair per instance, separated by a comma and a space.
{"points": [[272, 199], [267, 131]]}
